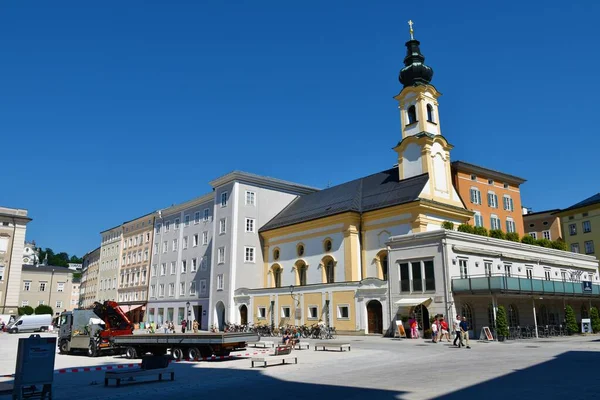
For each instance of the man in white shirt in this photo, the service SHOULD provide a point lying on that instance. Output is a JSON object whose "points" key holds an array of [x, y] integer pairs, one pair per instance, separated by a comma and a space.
{"points": [[456, 326]]}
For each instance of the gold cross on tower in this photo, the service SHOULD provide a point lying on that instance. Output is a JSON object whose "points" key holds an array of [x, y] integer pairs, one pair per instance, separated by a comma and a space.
{"points": [[410, 24]]}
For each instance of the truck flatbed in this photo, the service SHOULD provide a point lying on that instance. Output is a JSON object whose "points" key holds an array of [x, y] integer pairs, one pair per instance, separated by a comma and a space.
{"points": [[185, 338]]}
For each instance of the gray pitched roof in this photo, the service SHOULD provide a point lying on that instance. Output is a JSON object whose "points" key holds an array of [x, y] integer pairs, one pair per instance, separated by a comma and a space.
{"points": [[587, 202], [46, 268], [380, 190]]}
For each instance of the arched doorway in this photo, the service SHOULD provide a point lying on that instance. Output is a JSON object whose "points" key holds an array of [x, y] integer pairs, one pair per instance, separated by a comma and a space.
{"points": [[243, 315], [375, 317], [220, 315], [422, 316]]}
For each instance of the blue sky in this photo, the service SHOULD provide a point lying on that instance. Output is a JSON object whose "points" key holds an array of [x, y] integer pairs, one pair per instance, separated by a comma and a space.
{"points": [[109, 110]]}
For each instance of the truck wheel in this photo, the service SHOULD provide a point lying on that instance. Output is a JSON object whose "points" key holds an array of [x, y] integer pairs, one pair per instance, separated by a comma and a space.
{"points": [[92, 350], [194, 353], [64, 347], [177, 353], [43, 329], [13, 330], [131, 352]]}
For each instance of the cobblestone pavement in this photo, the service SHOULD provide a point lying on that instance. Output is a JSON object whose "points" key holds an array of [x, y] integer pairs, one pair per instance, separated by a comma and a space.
{"points": [[376, 367]]}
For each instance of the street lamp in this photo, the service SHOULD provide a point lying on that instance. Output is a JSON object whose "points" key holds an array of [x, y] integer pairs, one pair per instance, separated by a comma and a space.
{"points": [[187, 305], [295, 299]]}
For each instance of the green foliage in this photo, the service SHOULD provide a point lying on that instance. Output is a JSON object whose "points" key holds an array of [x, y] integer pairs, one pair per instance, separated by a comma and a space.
{"points": [[481, 231], [595, 317], [571, 321], [501, 322], [43, 309], [528, 239], [448, 225], [497, 234], [466, 228], [75, 260], [25, 310], [512, 236], [559, 244], [543, 243], [60, 260]]}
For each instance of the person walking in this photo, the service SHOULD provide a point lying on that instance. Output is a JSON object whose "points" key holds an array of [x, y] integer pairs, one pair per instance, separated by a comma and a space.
{"points": [[414, 328], [166, 327], [464, 330], [195, 326], [183, 326], [444, 330], [434, 329], [458, 336]]}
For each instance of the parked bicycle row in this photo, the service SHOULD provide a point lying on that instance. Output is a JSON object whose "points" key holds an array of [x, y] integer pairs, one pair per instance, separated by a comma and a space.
{"points": [[315, 331]]}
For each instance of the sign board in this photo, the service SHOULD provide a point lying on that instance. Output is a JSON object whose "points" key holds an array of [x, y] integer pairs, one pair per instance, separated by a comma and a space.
{"points": [[35, 364], [298, 313], [486, 334], [587, 286], [400, 327]]}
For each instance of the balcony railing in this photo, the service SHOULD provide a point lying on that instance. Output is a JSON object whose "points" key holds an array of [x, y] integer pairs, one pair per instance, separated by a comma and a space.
{"points": [[506, 284]]}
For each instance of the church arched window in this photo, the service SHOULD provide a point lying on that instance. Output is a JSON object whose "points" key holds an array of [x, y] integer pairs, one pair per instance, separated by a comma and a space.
{"points": [[412, 115], [430, 113]]}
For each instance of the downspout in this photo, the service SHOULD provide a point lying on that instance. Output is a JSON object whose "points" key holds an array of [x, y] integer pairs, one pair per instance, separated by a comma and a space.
{"points": [[10, 265], [445, 272]]}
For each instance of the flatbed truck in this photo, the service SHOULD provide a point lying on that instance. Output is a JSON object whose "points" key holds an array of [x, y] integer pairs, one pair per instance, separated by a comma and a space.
{"points": [[105, 328]]}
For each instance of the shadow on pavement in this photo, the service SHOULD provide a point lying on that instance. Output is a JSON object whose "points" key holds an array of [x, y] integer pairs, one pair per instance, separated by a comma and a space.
{"points": [[570, 375]]}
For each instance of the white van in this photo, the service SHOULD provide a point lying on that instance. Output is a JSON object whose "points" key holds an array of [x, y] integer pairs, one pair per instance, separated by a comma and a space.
{"points": [[31, 323]]}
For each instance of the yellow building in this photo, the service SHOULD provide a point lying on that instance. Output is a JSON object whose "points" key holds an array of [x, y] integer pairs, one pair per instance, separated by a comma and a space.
{"points": [[581, 226], [325, 253]]}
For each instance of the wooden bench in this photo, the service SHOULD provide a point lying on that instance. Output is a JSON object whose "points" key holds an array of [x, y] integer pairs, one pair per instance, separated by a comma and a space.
{"points": [[332, 345], [302, 346], [276, 360], [264, 344], [120, 375]]}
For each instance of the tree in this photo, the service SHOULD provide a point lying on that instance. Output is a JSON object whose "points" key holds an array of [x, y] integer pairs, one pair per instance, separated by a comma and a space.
{"points": [[25, 310], [75, 260], [448, 225], [512, 236], [559, 244], [466, 228], [544, 243], [570, 320], [501, 322], [44, 309], [480, 230], [497, 234], [528, 239], [595, 317]]}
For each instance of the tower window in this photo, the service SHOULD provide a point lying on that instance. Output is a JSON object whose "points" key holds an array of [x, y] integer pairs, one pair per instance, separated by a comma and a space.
{"points": [[412, 115], [430, 113]]}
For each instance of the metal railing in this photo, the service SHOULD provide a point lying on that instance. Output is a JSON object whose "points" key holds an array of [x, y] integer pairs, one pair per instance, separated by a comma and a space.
{"points": [[504, 283]]}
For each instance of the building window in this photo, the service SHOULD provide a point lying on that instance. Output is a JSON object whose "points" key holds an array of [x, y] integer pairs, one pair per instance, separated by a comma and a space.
{"points": [[60, 287], [492, 200], [589, 247], [529, 273], [222, 226], [250, 198], [300, 250], [404, 278], [495, 222], [487, 266], [412, 115], [473, 177], [195, 240], [197, 217], [429, 275], [463, 265], [490, 181], [24, 303], [175, 244], [182, 288], [202, 286], [59, 304], [343, 311], [563, 275], [572, 229], [205, 237], [383, 260], [285, 312], [163, 269], [302, 274], [185, 242], [161, 290], [224, 199], [533, 234], [250, 225], [173, 268], [186, 220], [507, 270], [546, 235], [327, 245], [276, 254], [330, 271], [220, 282], [417, 278], [510, 225], [221, 255], [183, 266], [429, 113], [505, 186], [165, 246], [587, 227], [277, 276], [171, 289], [262, 312], [43, 286], [574, 247], [176, 223], [192, 288], [194, 264], [167, 225], [27, 286], [475, 196], [478, 219], [249, 254], [508, 203], [313, 312], [547, 274], [152, 290], [513, 316]]}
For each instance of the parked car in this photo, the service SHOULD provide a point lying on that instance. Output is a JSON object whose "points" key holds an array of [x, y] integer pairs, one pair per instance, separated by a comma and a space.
{"points": [[6, 319], [30, 323]]}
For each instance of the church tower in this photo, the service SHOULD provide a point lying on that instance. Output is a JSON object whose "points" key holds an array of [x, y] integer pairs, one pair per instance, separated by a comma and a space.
{"points": [[423, 149]]}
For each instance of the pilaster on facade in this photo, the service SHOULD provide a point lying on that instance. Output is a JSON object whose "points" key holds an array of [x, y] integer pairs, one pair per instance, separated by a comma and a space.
{"points": [[13, 226]]}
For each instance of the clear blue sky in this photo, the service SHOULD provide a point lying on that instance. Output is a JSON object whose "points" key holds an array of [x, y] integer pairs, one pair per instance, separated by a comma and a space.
{"points": [[109, 110]]}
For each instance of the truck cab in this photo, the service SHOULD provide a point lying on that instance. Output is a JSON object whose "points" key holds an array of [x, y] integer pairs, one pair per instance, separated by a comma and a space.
{"points": [[79, 331]]}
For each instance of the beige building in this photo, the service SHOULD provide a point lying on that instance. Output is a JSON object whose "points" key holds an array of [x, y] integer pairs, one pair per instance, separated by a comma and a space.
{"points": [[75, 293], [543, 225], [89, 279], [13, 224], [108, 270], [135, 265], [46, 284]]}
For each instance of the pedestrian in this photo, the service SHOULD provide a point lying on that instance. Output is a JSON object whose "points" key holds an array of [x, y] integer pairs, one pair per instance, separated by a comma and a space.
{"points": [[464, 329], [171, 327], [444, 330], [414, 328], [166, 327], [434, 329], [195, 326], [456, 327], [183, 326]]}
